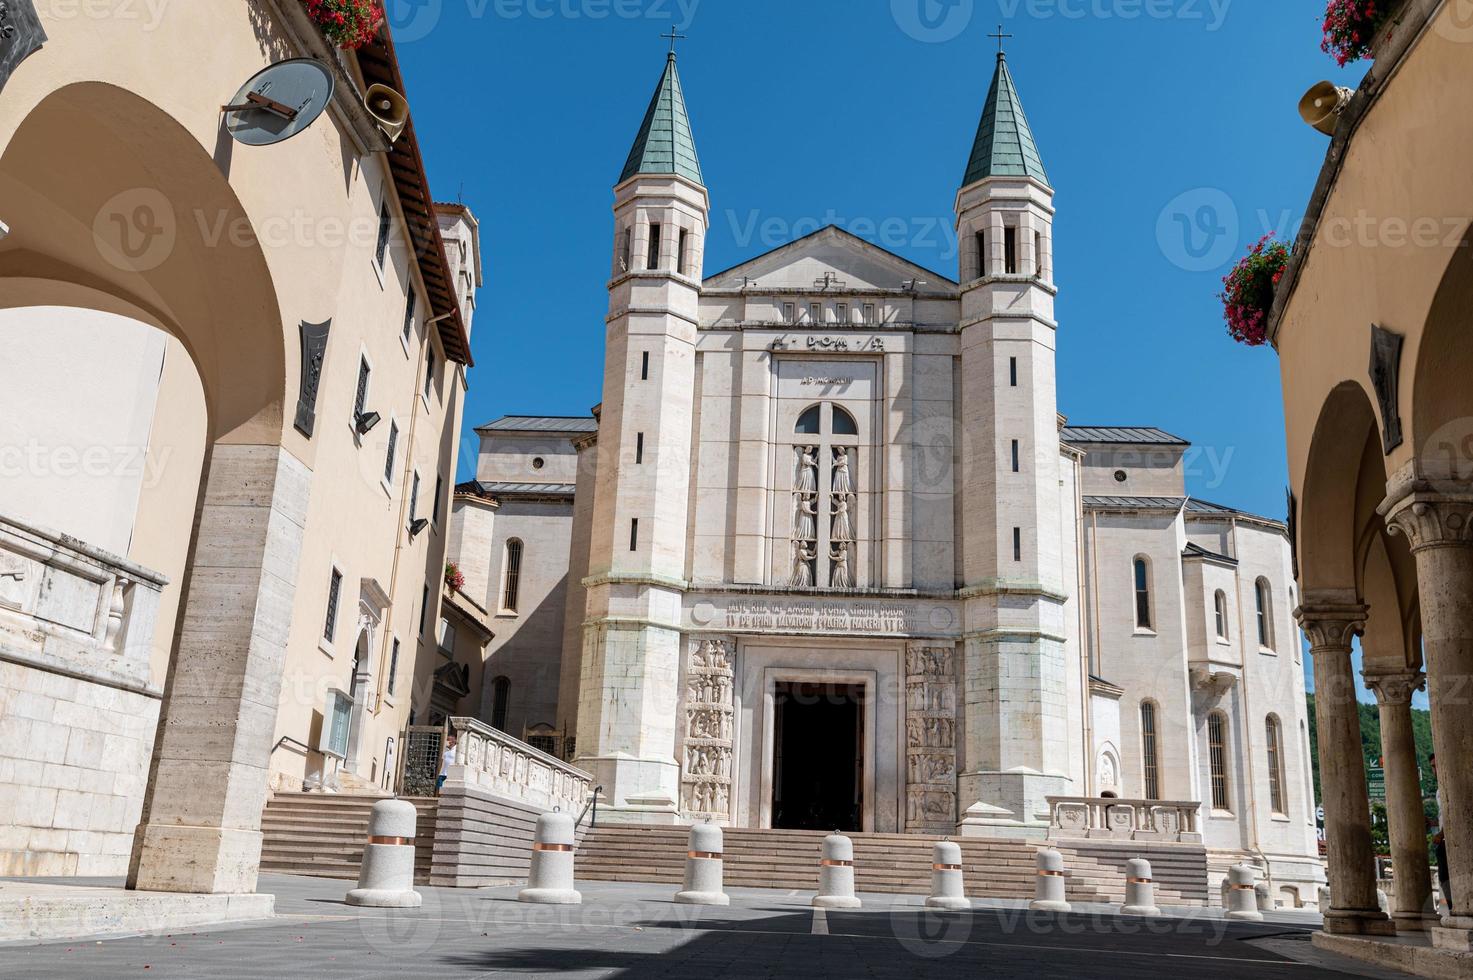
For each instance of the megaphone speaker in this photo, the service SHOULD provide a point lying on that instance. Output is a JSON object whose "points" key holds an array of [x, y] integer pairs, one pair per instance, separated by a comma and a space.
{"points": [[1322, 105], [388, 108]]}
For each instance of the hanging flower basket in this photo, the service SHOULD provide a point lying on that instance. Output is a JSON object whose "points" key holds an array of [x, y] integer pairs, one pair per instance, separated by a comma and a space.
{"points": [[454, 578], [347, 23], [1248, 293], [1351, 27]]}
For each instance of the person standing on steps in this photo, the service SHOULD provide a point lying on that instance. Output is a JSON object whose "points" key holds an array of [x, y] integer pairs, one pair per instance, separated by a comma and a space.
{"points": [[447, 759]]}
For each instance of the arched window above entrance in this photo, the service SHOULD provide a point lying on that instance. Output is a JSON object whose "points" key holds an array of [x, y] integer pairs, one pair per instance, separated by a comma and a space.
{"points": [[827, 499]]}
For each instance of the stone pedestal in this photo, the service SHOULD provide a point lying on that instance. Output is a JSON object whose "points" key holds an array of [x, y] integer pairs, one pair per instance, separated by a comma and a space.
{"points": [[1411, 908], [1438, 526], [1331, 621]]}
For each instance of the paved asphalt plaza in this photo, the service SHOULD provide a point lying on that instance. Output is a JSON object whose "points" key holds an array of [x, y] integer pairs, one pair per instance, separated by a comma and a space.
{"points": [[625, 930]]}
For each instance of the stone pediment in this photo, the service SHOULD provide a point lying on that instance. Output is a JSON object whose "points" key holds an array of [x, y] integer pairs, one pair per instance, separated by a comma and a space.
{"points": [[833, 260]]}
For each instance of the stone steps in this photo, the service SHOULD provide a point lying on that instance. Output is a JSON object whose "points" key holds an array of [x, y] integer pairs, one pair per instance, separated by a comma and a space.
{"points": [[323, 835], [893, 863]]}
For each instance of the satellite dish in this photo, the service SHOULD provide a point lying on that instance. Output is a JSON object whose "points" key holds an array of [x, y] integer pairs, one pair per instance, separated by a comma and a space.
{"points": [[279, 102]]}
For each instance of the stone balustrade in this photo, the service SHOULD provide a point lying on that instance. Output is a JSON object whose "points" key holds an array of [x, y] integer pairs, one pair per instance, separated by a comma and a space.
{"points": [[1087, 817], [70, 608], [513, 770]]}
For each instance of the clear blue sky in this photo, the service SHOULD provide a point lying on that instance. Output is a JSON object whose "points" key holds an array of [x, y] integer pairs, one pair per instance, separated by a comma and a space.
{"points": [[1168, 128]]}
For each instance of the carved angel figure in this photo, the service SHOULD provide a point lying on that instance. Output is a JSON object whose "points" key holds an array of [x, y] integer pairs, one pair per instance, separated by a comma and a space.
{"points": [[843, 526], [803, 567], [807, 523], [807, 471], [839, 569], [843, 483]]}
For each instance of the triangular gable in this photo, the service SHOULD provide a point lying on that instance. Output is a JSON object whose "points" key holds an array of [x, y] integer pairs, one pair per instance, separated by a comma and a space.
{"points": [[853, 262]]}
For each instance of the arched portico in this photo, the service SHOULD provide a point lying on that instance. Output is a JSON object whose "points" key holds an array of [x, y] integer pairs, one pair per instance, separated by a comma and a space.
{"points": [[111, 205]]}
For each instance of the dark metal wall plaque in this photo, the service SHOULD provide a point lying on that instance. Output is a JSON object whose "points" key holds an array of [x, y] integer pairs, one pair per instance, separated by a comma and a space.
{"points": [[20, 35], [314, 350], [1385, 375]]}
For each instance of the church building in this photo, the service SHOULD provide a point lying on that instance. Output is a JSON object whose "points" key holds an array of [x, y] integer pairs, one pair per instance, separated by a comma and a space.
{"points": [[827, 556]]}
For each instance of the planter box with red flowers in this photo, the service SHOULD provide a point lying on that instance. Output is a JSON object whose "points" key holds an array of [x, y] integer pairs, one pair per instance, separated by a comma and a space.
{"points": [[454, 577], [1248, 291], [346, 23], [1355, 28]]}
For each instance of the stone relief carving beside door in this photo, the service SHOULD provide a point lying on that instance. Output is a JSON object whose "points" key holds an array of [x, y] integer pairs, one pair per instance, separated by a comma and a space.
{"points": [[930, 739], [708, 733]]}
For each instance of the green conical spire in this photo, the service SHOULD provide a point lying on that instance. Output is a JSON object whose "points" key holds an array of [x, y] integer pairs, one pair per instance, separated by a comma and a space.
{"points": [[1004, 146], [665, 144]]}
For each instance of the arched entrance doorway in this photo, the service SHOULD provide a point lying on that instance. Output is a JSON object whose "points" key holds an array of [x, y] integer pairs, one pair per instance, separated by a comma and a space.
{"points": [[111, 205]]}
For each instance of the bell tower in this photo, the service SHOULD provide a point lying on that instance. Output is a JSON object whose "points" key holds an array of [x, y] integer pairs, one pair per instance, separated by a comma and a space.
{"points": [[631, 640], [1014, 657]]}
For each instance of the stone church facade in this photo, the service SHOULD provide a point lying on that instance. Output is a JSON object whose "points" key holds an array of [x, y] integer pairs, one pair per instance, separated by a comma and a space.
{"points": [[827, 555]]}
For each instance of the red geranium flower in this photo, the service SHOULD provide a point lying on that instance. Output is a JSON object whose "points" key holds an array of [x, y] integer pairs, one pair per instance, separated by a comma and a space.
{"points": [[1248, 294], [347, 23]]}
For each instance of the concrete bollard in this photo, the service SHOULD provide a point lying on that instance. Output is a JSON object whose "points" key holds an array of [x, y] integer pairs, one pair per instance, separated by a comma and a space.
{"points": [[1048, 891], [836, 875], [703, 868], [947, 888], [1140, 890], [1242, 897], [386, 878], [550, 881], [1323, 896], [1263, 897]]}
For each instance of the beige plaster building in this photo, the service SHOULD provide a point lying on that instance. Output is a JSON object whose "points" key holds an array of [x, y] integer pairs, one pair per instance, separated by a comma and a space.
{"points": [[1371, 328], [222, 553], [829, 557]]}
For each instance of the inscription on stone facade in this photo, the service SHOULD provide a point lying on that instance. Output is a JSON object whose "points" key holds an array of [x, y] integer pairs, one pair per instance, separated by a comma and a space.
{"points": [[822, 617], [930, 739], [706, 756]]}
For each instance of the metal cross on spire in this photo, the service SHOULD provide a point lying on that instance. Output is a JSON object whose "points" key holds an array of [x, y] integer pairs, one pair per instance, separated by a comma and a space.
{"points": [[672, 37], [1001, 37]]}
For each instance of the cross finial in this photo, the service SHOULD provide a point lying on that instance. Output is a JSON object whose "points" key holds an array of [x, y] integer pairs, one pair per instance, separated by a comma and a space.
{"points": [[672, 37], [1001, 37]]}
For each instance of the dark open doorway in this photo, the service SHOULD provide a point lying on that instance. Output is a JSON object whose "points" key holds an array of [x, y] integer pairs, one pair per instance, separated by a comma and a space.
{"points": [[818, 757]]}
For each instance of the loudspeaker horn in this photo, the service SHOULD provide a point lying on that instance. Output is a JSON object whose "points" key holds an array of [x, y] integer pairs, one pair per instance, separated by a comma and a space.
{"points": [[389, 109], [1322, 105]]}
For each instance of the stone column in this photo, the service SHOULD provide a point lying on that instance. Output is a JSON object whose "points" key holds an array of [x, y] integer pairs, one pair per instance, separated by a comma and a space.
{"points": [[1411, 909], [201, 825], [1439, 528], [1330, 622]]}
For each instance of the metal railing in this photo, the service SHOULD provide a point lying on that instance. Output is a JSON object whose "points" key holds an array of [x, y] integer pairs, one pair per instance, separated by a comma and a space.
{"points": [[590, 807]]}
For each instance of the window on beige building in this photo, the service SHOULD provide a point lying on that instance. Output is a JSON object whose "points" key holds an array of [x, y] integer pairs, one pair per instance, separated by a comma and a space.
{"points": [[652, 259], [1219, 608], [1217, 760], [1274, 740], [511, 576], [1142, 579], [1150, 753], [500, 699], [1263, 596]]}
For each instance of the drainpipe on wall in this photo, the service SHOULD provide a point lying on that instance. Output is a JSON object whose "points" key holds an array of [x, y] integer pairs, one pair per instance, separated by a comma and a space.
{"points": [[1248, 755]]}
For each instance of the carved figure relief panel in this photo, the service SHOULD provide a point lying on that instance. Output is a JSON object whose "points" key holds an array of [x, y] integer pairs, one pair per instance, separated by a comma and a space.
{"points": [[706, 763], [930, 738]]}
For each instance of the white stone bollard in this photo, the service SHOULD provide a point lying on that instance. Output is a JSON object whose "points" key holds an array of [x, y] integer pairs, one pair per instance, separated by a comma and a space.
{"points": [[1242, 897], [703, 868], [836, 875], [550, 881], [386, 878], [1048, 892], [1140, 890], [947, 888], [1262, 897], [1323, 895]]}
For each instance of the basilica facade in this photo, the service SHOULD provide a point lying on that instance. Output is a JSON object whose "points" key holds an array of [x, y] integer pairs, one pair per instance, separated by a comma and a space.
{"points": [[827, 556]]}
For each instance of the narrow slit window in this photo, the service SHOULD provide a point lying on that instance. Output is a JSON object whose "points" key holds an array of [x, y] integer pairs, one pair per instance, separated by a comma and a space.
{"points": [[652, 259], [841, 312], [410, 305], [680, 257], [634, 534], [1217, 756], [1142, 594], [644, 366], [435, 504], [981, 240], [414, 498], [334, 594], [1010, 250], [393, 667], [424, 609], [1219, 610], [360, 400], [1016, 461], [790, 312], [1150, 752], [1013, 372], [815, 313], [869, 313], [511, 579], [500, 702], [1017, 544], [1274, 742], [385, 225], [626, 246], [1038, 254], [389, 453], [639, 447]]}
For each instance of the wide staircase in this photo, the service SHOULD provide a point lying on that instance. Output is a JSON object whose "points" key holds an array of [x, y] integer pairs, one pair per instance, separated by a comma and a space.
{"points": [[893, 863], [322, 835]]}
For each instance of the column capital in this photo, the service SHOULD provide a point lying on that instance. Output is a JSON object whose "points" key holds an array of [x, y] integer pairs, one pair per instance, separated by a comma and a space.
{"points": [[1395, 688], [1331, 620], [1429, 514]]}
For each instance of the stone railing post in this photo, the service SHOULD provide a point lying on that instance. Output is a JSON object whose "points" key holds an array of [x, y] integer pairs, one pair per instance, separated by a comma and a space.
{"points": [[1438, 525], [1331, 622]]}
